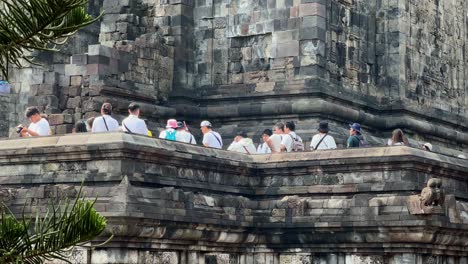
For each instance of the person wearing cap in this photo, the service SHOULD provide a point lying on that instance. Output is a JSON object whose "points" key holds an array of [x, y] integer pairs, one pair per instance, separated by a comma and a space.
{"points": [[355, 139], [322, 140], [183, 134], [274, 142], [170, 132], [211, 138], [242, 144], [427, 146], [263, 147], [105, 123], [133, 124]]}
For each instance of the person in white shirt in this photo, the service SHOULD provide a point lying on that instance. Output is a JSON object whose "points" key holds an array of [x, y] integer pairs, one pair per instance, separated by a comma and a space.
{"points": [[211, 138], [322, 140], [290, 137], [263, 147], [183, 134], [242, 144], [170, 132], [39, 126], [274, 142], [105, 123], [132, 123]]}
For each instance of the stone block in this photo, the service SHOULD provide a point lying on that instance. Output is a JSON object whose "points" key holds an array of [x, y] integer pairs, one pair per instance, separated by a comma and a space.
{"points": [[51, 77], [313, 47], [79, 59], [76, 80], [314, 21], [95, 90], [313, 70], [312, 9], [43, 89], [74, 102], [74, 90], [314, 33], [43, 101], [63, 129], [58, 119], [265, 87], [34, 89], [63, 80], [72, 69], [287, 49]]}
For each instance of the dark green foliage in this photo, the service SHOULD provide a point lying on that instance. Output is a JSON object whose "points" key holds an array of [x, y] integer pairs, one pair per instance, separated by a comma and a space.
{"points": [[51, 234], [27, 25]]}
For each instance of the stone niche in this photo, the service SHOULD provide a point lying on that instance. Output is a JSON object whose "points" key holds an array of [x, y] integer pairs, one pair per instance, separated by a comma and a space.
{"points": [[169, 202]]}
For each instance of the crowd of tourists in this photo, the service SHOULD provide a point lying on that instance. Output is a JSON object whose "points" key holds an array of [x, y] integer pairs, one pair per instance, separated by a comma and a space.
{"points": [[282, 137]]}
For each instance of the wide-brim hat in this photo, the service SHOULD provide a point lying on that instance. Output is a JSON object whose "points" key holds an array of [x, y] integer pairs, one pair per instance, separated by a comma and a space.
{"points": [[323, 127], [171, 123]]}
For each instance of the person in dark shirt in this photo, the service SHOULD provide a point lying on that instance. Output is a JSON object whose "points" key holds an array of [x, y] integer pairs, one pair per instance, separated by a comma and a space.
{"points": [[355, 138]]}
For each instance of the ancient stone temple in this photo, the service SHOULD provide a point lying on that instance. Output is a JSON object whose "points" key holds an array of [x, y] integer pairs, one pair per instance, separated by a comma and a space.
{"points": [[244, 65]]}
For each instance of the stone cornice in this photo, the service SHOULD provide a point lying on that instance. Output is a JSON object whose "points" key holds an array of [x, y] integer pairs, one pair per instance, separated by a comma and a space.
{"points": [[177, 195]]}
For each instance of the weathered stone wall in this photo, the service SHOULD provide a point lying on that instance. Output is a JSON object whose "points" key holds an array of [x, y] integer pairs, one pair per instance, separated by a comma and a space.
{"points": [[170, 202], [435, 35], [5, 104], [247, 64], [392, 51], [74, 83]]}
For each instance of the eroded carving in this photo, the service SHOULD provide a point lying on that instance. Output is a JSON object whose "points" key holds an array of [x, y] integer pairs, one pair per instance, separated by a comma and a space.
{"points": [[433, 195], [7, 195], [430, 200]]}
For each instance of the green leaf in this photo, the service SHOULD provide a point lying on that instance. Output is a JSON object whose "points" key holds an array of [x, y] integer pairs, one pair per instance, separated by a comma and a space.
{"points": [[52, 233], [27, 25]]}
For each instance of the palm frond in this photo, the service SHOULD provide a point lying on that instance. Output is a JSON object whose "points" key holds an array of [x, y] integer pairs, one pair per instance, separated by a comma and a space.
{"points": [[51, 234], [27, 25]]}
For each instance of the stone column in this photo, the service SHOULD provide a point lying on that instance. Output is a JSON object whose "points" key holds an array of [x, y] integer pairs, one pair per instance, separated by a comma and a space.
{"points": [[391, 48], [312, 38]]}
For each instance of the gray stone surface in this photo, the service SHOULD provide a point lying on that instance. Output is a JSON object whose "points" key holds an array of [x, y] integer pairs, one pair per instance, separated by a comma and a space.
{"points": [[171, 202], [245, 65], [387, 65]]}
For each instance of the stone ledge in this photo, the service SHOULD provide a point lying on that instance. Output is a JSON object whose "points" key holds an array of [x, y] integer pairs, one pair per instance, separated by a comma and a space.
{"points": [[156, 191]]}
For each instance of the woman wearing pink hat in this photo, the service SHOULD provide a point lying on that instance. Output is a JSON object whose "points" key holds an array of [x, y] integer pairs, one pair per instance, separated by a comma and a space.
{"points": [[170, 132]]}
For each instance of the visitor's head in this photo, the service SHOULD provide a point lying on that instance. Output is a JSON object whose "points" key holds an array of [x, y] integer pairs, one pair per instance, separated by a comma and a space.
{"points": [[180, 125], [355, 129], [289, 126], [134, 109], [33, 114], [266, 134], [106, 109], [80, 127], [427, 146], [323, 127], [240, 135], [171, 123], [278, 128], [205, 126], [398, 137]]}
